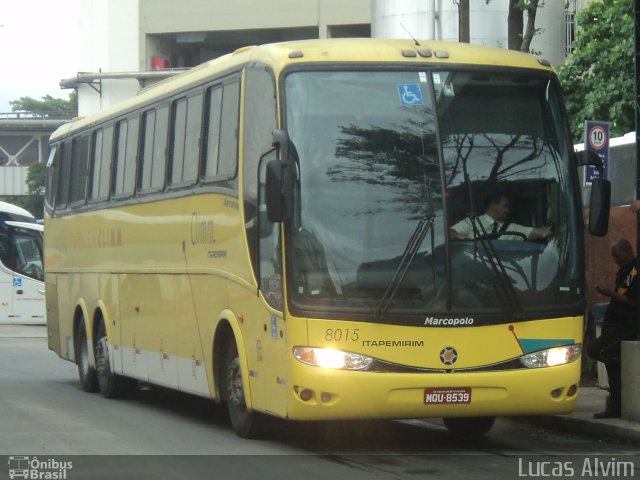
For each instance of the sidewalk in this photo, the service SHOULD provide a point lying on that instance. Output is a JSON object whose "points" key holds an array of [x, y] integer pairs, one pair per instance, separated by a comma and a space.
{"points": [[581, 421]]}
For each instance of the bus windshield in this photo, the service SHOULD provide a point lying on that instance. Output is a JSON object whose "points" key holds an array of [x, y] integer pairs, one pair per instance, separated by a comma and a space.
{"points": [[388, 161]]}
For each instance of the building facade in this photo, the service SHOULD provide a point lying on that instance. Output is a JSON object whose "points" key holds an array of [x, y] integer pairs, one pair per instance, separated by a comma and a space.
{"points": [[122, 37]]}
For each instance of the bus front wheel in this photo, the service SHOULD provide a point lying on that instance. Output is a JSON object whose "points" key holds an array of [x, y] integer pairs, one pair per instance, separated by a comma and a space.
{"points": [[87, 374], [245, 423], [471, 427]]}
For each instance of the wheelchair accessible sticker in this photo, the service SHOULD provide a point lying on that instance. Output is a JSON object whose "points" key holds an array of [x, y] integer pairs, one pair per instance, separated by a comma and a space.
{"points": [[410, 94]]}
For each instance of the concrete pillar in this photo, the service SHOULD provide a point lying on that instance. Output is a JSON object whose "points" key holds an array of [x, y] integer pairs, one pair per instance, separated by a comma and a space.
{"points": [[631, 380]]}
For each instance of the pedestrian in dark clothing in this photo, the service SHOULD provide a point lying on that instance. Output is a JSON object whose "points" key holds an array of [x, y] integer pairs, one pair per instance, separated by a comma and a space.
{"points": [[620, 324]]}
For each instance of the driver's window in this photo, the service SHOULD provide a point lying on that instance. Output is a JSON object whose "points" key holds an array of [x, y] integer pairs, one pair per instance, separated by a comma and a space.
{"points": [[28, 256]]}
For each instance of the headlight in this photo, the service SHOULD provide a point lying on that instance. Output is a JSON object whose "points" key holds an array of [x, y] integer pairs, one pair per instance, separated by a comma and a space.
{"points": [[552, 356], [330, 358]]}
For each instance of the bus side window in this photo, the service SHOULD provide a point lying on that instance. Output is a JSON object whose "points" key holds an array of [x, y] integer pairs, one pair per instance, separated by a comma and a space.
{"points": [[63, 176], [153, 143], [4, 253], [220, 148], [52, 175], [124, 170], [186, 123], [78, 170], [100, 163]]}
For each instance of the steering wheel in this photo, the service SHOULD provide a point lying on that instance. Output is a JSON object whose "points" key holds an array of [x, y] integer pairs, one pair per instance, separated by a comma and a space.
{"points": [[497, 235]]}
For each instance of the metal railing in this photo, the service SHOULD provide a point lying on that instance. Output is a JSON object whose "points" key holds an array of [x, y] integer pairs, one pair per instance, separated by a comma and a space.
{"points": [[57, 115]]}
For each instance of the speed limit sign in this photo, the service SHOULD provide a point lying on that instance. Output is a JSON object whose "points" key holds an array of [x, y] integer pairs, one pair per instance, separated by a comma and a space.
{"points": [[598, 137]]}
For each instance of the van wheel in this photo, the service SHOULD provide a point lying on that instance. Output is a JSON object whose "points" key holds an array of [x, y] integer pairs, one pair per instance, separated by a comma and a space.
{"points": [[110, 384], [87, 374], [470, 427], [245, 423]]}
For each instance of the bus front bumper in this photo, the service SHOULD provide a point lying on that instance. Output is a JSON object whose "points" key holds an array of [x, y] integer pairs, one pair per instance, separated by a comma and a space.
{"points": [[329, 394]]}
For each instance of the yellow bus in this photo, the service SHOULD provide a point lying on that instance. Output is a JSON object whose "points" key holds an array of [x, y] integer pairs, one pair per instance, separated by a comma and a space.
{"points": [[271, 229]]}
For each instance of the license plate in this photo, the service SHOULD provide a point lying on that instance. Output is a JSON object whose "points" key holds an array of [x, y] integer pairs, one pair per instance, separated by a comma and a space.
{"points": [[445, 396]]}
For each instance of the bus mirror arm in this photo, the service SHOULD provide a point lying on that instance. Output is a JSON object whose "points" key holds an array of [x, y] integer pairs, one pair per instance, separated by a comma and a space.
{"points": [[588, 157], [280, 140]]}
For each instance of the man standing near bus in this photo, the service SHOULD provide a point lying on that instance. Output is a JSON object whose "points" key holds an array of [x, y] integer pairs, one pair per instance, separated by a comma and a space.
{"points": [[620, 324]]}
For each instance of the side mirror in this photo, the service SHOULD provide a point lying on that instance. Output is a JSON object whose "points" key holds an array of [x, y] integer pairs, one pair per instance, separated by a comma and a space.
{"points": [[279, 181], [599, 207], [278, 191], [600, 199]]}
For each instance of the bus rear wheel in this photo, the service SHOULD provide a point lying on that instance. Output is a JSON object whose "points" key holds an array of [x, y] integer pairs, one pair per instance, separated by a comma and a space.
{"points": [[470, 427], [110, 384], [86, 373], [245, 423]]}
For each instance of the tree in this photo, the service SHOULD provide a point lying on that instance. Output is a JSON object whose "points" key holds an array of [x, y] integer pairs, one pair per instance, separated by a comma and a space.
{"points": [[518, 38], [48, 106], [464, 27], [598, 79]]}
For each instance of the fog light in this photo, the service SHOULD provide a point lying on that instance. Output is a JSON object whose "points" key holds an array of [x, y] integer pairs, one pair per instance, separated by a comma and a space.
{"points": [[326, 397], [306, 395], [573, 389], [556, 393]]}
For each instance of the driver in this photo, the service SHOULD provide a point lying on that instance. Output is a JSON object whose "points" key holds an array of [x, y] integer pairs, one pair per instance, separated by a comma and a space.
{"points": [[494, 223]]}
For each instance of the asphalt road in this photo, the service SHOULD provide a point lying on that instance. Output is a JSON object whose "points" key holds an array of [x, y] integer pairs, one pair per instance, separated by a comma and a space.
{"points": [[158, 433]]}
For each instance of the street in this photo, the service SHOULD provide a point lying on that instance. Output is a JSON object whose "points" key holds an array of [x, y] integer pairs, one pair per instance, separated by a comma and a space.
{"points": [[156, 433]]}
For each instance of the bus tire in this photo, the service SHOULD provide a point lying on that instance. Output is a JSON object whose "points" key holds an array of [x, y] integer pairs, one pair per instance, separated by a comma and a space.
{"points": [[470, 427], [86, 373], [245, 423], [110, 384]]}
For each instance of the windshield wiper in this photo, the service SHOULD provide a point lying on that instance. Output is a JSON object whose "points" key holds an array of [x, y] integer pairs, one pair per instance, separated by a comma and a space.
{"points": [[410, 251]]}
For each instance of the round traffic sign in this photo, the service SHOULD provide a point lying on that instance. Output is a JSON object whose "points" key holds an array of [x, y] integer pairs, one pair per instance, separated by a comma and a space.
{"points": [[597, 137]]}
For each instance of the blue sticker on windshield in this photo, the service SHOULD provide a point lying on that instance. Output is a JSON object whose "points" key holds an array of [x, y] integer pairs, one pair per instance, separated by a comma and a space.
{"points": [[410, 94]]}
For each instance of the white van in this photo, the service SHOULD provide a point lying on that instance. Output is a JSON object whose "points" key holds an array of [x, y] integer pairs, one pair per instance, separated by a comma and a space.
{"points": [[21, 267]]}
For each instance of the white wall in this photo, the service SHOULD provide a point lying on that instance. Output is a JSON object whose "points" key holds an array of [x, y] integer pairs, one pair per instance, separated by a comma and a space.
{"points": [[488, 23], [110, 43]]}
